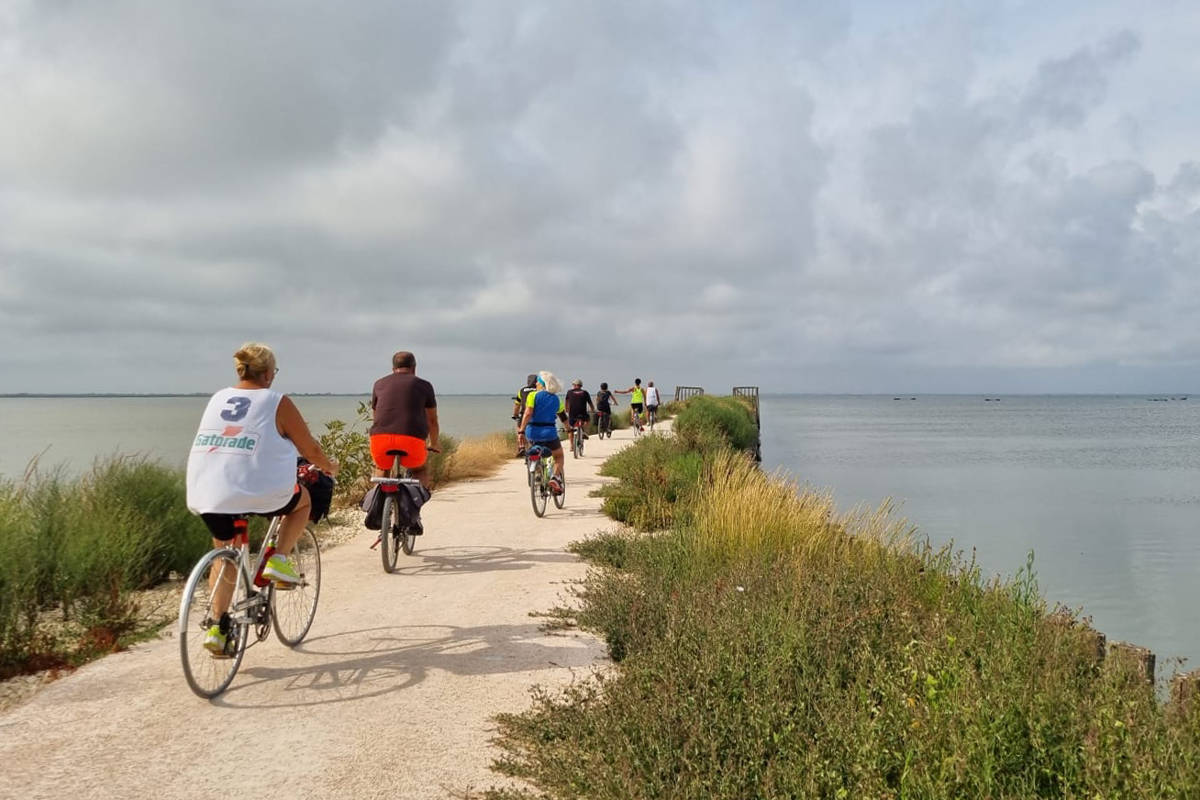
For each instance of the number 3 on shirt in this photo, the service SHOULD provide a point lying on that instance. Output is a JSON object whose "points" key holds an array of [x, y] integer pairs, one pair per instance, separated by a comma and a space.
{"points": [[241, 406]]}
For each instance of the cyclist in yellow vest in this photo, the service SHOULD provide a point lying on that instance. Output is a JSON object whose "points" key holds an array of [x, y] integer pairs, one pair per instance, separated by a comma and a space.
{"points": [[637, 402]]}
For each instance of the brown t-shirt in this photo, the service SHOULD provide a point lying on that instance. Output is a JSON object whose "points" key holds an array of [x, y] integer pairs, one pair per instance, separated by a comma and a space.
{"points": [[399, 401]]}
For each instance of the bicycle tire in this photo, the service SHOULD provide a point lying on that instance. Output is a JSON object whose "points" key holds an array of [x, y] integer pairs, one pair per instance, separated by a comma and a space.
{"points": [[560, 499], [207, 676], [538, 490], [293, 610], [387, 536], [407, 539]]}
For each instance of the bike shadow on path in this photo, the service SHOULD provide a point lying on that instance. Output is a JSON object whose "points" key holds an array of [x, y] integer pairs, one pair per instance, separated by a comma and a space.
{"points": [[368, 663], [467, 559]]}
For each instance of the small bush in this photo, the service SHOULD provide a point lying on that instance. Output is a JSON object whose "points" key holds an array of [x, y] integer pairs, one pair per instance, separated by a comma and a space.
{"points": [[706, 423]]}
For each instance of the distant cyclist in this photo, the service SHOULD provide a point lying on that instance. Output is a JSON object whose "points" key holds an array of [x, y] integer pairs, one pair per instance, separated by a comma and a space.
{"points": [[538, 423], [637, 401], [605, 400], [243, 461], [652, 399], [519, 408], [405, 417], [579, 406]]}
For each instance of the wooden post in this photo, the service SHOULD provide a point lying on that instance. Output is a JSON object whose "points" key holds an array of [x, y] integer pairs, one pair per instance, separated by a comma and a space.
{"points": [[1185, 689], [684, 392], [1139, 657]]}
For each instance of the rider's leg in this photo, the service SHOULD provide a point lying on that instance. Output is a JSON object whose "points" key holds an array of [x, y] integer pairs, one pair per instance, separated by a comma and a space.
{"points": [[222, 582], [292, 525], [560, 461]]}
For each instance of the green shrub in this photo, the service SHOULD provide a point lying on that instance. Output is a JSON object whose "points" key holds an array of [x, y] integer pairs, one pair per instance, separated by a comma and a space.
{"points": [[350, 446], [706, 423]]}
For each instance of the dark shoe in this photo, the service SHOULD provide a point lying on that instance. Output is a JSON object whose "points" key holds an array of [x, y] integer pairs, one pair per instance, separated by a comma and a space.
{"points": [[556, 486], [520, 453]]}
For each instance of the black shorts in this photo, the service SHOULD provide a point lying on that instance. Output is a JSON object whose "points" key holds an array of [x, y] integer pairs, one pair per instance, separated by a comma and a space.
{"points": [[553, 445], [652, 408], [584, 418], [221, 525], [636, 407]]}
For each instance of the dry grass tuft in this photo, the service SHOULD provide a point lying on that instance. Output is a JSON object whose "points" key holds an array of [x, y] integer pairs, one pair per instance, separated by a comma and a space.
{"points": [[480, 457]]}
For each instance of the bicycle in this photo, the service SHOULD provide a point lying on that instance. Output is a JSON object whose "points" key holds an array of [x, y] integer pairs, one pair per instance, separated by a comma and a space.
{"points": [[395, 535], [256, 605], [541, 469], [651, 417], [635, 417], [604, 424], [577, 439]]}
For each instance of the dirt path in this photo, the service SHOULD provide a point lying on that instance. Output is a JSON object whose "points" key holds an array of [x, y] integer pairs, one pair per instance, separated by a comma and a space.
{"points": [[391, 695]]}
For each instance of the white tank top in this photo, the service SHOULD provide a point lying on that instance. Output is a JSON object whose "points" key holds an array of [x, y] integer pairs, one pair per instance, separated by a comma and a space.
{"points": [[239, 463], [651, 395]]}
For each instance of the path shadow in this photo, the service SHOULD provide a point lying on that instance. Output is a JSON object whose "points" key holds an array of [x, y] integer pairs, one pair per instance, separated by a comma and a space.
{"points": [[469, 559], [364, 664]]}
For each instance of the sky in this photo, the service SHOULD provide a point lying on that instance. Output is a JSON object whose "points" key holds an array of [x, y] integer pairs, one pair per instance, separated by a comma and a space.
{"points": [[993, 196]]}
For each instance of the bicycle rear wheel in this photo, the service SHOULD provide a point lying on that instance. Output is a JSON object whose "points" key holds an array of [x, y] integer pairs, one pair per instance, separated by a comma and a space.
{"points": [[292, 610], [387, 534], [538, 490], [207, 674], [406, 538], [560, 499]]}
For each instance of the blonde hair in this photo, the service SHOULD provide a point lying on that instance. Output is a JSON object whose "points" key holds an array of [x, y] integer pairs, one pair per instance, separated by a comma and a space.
{"points": [[253, 361], [553, 384]]}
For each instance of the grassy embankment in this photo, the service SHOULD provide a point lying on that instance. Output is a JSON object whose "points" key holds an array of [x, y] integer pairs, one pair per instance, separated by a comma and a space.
{"points": [[768, 648], [75, 552]]}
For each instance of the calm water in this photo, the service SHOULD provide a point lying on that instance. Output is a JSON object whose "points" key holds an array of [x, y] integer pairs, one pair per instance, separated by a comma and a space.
{"points": [[1104, 490], [73, 431]]}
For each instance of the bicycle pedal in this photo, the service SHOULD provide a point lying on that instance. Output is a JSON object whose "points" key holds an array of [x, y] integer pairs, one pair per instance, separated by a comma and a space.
{"points": [[285, 586]]}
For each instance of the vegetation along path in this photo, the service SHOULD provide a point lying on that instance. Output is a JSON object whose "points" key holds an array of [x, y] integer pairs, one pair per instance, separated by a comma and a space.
{"points": [[391, 695]]}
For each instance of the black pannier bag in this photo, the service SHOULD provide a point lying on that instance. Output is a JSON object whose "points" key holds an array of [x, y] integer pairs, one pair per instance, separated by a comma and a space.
{"points": [[409, 498], [320, 488]]}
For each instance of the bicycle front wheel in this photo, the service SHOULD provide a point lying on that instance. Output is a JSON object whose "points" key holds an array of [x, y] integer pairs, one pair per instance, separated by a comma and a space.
{"points": [[292, 610], [217, 577], [538, 490], [387, 534]]}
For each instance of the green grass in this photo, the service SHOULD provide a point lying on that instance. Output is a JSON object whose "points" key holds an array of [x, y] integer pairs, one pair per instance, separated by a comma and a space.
{"points": [[768, 647], [75, 549]]}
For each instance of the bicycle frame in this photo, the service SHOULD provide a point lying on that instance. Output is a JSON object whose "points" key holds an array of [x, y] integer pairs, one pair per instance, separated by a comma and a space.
{"points": [[258, 586]]}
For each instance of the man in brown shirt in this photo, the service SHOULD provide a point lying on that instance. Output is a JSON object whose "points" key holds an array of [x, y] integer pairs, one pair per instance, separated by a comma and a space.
{"points": [[405, 417]]}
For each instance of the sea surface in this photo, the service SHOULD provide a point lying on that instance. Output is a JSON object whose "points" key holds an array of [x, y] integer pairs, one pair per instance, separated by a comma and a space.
{"points": [[1104, 490]]}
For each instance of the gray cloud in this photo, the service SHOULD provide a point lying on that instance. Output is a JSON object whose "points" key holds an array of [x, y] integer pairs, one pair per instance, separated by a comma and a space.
{"points": [[806, 197]]}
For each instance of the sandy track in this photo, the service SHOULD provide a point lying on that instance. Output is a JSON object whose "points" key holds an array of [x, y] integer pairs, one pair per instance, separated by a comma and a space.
{"points": [[391, 695]]}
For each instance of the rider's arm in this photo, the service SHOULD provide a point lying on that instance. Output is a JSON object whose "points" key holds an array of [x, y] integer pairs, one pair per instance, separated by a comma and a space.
{"points": [[562, 412], [525, 419], [432, 418], [292, 426]]}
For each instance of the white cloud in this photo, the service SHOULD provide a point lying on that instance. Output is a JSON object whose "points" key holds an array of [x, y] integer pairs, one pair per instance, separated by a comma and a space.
{"points": [[805, 195]]}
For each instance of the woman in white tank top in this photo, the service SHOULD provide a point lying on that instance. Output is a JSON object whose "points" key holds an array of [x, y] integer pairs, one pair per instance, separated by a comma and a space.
{"points": [[243, 461]]}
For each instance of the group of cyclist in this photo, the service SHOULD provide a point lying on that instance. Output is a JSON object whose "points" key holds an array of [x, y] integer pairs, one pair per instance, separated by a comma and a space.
{"points": [[243, 460], [537, 409]]}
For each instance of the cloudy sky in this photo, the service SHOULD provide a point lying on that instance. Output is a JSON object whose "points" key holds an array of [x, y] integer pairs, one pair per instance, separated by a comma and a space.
{"points": [[868, 196]]}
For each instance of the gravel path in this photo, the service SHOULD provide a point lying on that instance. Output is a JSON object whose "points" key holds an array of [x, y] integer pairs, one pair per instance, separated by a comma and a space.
{"points": [[391, 695]]}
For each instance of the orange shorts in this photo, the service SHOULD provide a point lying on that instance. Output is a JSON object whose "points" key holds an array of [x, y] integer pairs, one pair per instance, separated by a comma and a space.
{"points": [[411, 445]]}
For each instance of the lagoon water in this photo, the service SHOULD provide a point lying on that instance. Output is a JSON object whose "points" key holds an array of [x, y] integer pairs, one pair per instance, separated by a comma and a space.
{"points": [[1105, 490]]}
